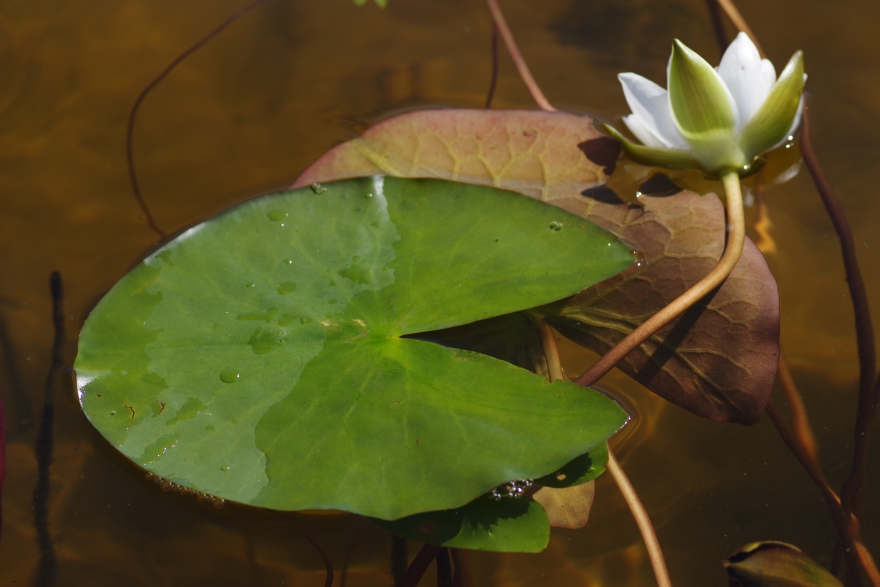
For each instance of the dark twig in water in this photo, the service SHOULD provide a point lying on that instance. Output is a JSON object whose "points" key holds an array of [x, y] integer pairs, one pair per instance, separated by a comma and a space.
{"points": [[444, 569], [717, 24], [129, 135], [399, 559], [853, 490], [48, 562], [494, 81], [845, 523], [328, 582], [420, 564]]}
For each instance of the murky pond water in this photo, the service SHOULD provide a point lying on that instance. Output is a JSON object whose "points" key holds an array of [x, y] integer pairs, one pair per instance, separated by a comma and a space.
{"points": [[247, 114]]}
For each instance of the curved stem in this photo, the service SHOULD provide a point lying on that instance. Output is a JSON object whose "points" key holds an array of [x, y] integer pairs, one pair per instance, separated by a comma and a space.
{"points": [[740, 23], [328, 565], [732, 252], [854, 487], [642, 521], [518, 61], [132, 117], [494, 81], [846, 524], [803, 432], [420, 564]]}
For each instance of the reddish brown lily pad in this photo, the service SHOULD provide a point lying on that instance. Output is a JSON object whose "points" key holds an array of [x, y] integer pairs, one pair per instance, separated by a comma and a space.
{"points": [[534, 153], [718, 359]]}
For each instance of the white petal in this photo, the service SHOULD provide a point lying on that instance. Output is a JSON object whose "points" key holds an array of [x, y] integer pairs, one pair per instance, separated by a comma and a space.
{"points": [[648, 138], [748, 77], [650, 104]]}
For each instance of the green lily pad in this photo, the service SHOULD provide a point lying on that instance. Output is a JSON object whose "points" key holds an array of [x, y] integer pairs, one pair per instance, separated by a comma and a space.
{"points": [[505, 525], [260, 355], [578, 471]]}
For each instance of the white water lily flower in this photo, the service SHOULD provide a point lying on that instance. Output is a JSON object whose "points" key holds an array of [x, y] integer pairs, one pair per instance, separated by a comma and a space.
{"points": [[717, 120]]}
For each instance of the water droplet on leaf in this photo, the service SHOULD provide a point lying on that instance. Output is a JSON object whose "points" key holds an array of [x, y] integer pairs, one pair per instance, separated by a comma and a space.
{"points": [[639, 256], [276, 215], [229, 375], [318, 188]]}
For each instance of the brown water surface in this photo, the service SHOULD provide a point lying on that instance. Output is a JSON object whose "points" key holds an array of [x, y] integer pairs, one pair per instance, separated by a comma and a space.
{"points": [[247, 114]]}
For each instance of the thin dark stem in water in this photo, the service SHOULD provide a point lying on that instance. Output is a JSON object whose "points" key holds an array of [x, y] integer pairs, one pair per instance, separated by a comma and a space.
{"points": [[420, 564], [399, 559], [494, 81], [717, 24], [521, 67], [129, 135], [845, 523], [444, 568], [354, 540], [47, 569], [853, 490], [803, 432], [462, 577], [328, 581]]}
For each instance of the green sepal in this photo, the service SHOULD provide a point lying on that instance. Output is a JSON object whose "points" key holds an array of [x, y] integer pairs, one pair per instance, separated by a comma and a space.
{"points": [[652, 156], [702, 108], [774, 119]]}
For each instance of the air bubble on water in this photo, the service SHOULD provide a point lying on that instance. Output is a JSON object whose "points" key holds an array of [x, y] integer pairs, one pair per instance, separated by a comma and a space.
{"points": [[639, 256], [557, 226]]}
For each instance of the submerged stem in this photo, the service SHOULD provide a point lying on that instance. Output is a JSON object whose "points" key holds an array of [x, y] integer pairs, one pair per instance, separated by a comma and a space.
{"points": [[521, 67], [548, 345], [845, 523], [732, 252], [642, 521]]}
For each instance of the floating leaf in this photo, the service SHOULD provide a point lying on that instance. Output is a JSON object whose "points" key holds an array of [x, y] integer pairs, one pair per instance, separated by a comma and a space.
{"points": [[505, 525], [718, 359], [776, 564], [260, 356], [534, 153]]}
